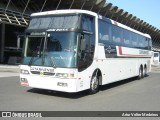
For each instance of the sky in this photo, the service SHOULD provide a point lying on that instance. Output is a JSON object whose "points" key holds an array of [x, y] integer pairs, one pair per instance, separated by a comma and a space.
{"points": [[146, 10]]}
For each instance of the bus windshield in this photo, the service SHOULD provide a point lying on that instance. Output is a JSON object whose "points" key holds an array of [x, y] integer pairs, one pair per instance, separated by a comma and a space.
{"points": [[54, 49], [54, 22]]}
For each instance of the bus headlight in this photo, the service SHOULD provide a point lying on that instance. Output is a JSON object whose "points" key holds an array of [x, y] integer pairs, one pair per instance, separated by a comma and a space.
{"points": [[64, 75], [22, 71]]}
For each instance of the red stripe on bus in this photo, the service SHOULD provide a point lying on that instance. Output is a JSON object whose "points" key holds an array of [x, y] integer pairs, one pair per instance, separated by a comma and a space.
{"points": [[121, 53], [120, 50]]}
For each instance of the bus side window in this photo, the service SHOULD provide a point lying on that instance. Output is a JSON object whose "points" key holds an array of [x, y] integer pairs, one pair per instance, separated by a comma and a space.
{"points": [[146, 44], [140, 42], [134, 39], [88, 23], [116, 35], [126, 38], [104, 31], [149, 44], [105, 37]]}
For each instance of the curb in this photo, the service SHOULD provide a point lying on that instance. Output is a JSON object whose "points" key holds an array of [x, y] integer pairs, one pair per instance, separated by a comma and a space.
{"points": [[9, 68]]}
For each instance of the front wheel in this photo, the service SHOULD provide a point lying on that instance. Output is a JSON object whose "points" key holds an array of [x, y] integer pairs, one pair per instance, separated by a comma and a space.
{"points": [[94, 84]]}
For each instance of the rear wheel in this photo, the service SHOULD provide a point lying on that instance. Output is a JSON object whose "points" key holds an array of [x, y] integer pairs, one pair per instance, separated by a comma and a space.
{"points": [[145, 71], [140, 73]]}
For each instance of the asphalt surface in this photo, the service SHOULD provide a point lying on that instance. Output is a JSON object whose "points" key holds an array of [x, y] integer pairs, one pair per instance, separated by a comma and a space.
{"points": [[127, 95]]}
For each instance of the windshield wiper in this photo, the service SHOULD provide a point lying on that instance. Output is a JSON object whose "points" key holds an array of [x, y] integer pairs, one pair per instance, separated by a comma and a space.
{"points": [[52, 61]]}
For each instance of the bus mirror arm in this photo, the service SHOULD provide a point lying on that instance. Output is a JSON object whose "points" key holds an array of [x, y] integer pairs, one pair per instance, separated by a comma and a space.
{"points": [[82, 44]]}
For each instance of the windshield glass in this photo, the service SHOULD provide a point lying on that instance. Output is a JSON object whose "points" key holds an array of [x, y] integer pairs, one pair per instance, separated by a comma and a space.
{"points": [[35, 46], [155, 54], [57, 49], [54, 22]]}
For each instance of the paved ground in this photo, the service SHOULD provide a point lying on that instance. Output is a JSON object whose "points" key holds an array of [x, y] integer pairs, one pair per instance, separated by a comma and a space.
{"points": [[155, 68], [128, 95]]}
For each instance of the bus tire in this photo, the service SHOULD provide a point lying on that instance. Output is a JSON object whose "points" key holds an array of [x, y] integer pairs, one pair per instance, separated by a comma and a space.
{"points": [[145, 71], [140, 75], [94, 84]]}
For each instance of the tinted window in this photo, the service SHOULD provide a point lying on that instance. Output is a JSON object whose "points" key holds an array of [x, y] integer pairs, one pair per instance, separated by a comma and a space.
{"points": [[88, 23], [126, 38], [146, 43], [105, 37], [150, 44], [117, 35], [54, 22], [111, 35], [140, 42], [104, 31], [134, 40], [155, 54]]}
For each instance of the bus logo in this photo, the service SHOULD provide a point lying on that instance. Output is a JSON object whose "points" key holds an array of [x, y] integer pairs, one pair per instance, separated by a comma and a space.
{"points": [[110, 50]]}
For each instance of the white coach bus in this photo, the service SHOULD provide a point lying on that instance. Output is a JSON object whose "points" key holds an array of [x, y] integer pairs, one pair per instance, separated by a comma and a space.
{"points": [[76, 50]]}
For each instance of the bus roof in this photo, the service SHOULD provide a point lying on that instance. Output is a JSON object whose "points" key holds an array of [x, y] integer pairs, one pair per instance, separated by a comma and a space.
{"points": [[54, 12]]}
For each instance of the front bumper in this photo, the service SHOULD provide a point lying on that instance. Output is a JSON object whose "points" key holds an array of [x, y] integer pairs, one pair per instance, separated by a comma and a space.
{"points": [[50, 83]]}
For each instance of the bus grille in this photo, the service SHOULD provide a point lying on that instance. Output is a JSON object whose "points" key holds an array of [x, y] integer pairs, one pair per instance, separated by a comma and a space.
{"points": [[42, 73]]}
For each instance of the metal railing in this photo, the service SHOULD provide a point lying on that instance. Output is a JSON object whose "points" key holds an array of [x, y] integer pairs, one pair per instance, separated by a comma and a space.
{"points": [[12, 17]]}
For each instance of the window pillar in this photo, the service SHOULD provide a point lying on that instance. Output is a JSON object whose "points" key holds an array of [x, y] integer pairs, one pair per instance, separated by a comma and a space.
{"points": [[2, 39]]}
